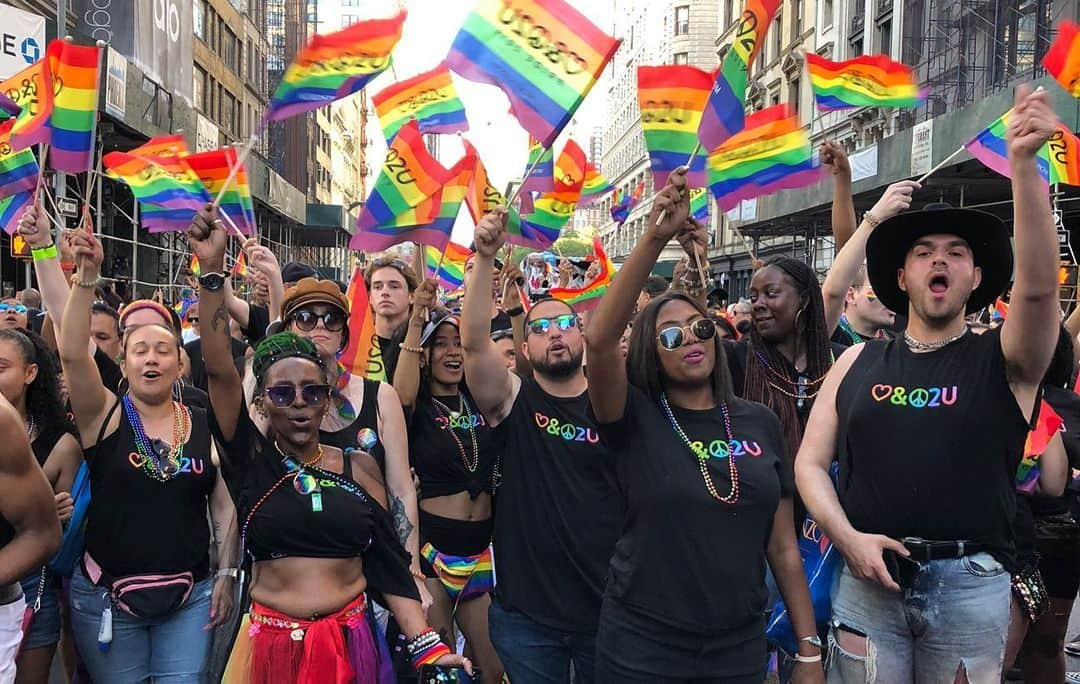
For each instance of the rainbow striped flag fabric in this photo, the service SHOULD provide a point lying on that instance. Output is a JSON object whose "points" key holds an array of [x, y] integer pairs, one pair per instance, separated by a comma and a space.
{"points": [[453, 192], [240, 267], [623, 204], [1048, 425], [596, 185], [76, 74], [1058, 160], [162, 146], [430, 98], [541, 227], [1062, 60], [362, 356], [699, 204], [542, 163], [11, 208], [773, 152], [8, 108], [152, 183], [194, 266], [544, 55], [866, 81], [724, 113], [671, 99], [452, 271], [213, 168], [32, 91], [334, 66], [18, 169], [157, 219], [588, 297], [482, 196]]}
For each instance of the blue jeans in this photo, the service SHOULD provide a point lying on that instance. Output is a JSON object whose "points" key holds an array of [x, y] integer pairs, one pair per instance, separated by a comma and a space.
{"points": [[168, 650], [535, 654], [956, 615]]}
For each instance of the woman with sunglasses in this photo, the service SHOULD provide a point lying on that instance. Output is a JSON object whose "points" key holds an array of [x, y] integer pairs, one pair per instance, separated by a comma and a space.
{"points": [[453, 455], [144, 598], [318, 542], [696, 466], [13, 314], [29, 380], [366, 420]]}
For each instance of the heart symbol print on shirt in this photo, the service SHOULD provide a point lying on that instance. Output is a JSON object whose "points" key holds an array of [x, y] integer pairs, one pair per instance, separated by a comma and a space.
{"points": [[881, 392], [542, 420]]}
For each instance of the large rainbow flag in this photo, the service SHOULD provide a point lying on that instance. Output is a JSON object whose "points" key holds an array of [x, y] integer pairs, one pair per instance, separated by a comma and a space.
{"points": [[866, 81], [588, 297], [453, 192], [541, 228], [452, 271], [362, 356], [32, 91], [152, 183], [1062, 60], [18, 169], [773, 152], [334, 66], [430, 98], [76, 76], [544, 54], [1058, 160], [671, 99], [482, 196], [212, 168]]}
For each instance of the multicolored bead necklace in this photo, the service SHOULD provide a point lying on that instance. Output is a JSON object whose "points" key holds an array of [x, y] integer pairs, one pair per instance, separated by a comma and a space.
{"points": [[852, 334], [698, 449], [345, 408], [154, 464], [444, 411]]}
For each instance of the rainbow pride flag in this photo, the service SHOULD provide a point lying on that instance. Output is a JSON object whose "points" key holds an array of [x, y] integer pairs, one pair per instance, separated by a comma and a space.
{"points": [[671, 99], [152, 183], [452, 271], [430, 98], [1048, 425], [541, 227], [362, 356], [11, 208], [544, 54], [453, 192], [482, 196], [32, 91], [623, 204], [162, 146], [18, 169], [866, 81], [76, 73], [542, 163], [1058, 160], [194, 266], [334, 66], [157, 219], [773, 152], [240, 267], [724, 113], [8, 108], [1062, 60], [699, 204], [587, 298], [596, 185], [212, 168], [406, 197]]}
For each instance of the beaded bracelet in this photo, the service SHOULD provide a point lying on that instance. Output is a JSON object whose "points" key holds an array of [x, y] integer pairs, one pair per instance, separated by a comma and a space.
{"points": [[414, 350], [430, 654], [87, 284], [43, 253]]}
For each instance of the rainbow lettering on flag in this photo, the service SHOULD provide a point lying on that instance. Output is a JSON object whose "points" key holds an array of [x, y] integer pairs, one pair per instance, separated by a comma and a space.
{"points": [[544, 54], [212, 168], [452, 272], [430, 98], [152, 183], [1062, 60], [334, 66], [771, 153], [406, 198], [482, 197], [588, 297], [194, 266], [362, 356], [671, 99], [1058, 160], [11, 208], [725, 113], [18, 170], [1048, 425], [866, 81], [596, 185], [542, 163], [76, 72], [162, 146], [699, 204], [541, 228], [32, 90]]}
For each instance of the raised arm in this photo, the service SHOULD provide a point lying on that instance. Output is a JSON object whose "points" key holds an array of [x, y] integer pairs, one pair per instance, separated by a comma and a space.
{"points": [[262, 259], [835, 159], [513, 305], [208, 239], [35, 229], [407, 373], [90, 401], [492, 386], [239, 310], [607, 368], [845, 266], [1029, 335]]}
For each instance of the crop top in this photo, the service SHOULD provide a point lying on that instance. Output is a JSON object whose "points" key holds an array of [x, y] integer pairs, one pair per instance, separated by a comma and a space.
{"points": [[277, 521], [437, 438]]}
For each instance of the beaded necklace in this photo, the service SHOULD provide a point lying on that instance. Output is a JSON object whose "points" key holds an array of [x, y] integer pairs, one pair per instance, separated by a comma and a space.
{"points": [[31, 425], [845, 325], [345, 408], [698, 449], [444, 411], [156, 465]]}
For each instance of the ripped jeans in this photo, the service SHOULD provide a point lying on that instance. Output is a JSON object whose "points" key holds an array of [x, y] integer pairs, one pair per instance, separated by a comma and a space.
{"points": [[956, 616]]}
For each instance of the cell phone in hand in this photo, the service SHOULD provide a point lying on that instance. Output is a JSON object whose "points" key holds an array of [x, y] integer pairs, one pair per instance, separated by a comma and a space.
{"points": [[442, 674], [902, 569]]}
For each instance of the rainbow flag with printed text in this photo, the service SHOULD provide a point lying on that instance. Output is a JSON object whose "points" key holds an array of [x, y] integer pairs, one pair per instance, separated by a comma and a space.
{"points": [[76, 76], [362, 356], [541, 228], [152, 183], [212, 168], [588, 297], [865, 81], [334, 66], [452, 271], [32, 91], [430, 98], [8, 108], [482, 196], [671, 99], [11, 208], [453, 192], [1058, 159], [18, 169], [1062, 60], [162, 146], [544, 55]]}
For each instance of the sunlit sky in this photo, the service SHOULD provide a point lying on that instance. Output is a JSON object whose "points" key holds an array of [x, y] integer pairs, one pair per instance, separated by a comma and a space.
{"points": [[502, 143]]}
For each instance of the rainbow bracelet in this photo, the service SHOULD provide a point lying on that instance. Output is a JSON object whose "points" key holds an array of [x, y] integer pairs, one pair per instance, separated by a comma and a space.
{"points": [[430, 654]]}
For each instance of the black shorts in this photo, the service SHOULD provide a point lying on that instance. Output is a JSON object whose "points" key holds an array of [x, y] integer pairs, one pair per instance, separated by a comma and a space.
{"points": [[453, 537], [1057, 539]]}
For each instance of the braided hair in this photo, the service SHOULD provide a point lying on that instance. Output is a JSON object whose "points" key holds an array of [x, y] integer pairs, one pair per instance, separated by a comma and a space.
{"points": [[280, 346], [43, 404], [811, 335]]}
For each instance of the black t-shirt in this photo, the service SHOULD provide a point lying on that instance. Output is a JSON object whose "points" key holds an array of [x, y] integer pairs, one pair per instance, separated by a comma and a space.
{"points": [[1066, 404], [557, 513], [110, 372], [258, 321], [441, 448], [136, 524], [929, 443], [362, 434], [667, 564], [199, 377]]}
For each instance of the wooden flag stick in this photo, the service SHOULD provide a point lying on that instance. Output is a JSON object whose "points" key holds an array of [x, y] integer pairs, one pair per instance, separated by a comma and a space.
{"points": [[940, 164]]}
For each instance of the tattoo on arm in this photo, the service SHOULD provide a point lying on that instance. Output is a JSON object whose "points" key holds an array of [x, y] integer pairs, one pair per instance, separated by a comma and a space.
{"points": [[220, 321], [401, 521]]}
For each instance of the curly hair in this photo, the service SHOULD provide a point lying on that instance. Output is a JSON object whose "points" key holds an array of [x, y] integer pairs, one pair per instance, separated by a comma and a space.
{"points": [[43, 404], [280, 346]]}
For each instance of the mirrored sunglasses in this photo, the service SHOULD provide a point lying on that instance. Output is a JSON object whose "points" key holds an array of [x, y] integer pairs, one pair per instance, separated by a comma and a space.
{"points": [[540, 326], [674, 337]]}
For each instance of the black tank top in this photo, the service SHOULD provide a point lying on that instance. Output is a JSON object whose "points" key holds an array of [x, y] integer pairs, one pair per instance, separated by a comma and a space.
{"points": [[929, 443], [136, 524], [43, 445], [363, 433], [437, 438]]}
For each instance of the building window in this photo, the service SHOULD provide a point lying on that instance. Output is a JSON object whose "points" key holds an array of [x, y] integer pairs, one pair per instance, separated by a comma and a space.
{"points": [[827, 13], [682, 58], [682, 20], [199, 19], [199, 88], [774, 97], [229, 50], [729, 12], [885, 37], [856, 45], [794, 96], [797, 14], [777, 35]]}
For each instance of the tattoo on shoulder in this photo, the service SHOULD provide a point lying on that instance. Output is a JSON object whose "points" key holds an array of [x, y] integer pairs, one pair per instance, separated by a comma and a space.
{"points": [[220, 321], [402, 524]]}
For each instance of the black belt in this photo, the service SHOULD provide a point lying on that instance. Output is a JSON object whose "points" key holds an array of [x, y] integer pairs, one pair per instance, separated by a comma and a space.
{"points": [[925, 550]]}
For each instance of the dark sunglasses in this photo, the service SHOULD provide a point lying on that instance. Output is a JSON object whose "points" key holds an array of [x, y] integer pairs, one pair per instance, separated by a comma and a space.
{"points": [[193, 319], [284, 395], [672, 338], [383, 262], [306, 320], [540, 326], [17, 308]]}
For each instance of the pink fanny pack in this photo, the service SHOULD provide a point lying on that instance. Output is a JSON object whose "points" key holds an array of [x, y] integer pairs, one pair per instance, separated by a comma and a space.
{"points": [[143, 596]]}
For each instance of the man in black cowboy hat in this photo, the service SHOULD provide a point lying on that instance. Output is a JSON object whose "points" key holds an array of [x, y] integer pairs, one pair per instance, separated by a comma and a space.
{"points": [[929, 429]]}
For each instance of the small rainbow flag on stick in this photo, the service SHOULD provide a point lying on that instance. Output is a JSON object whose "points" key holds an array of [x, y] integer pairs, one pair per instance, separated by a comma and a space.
{"points": [[541, 228], [213, 169], [772, 153], [699, 204], [482, 197], [452, 271], [542, 166], [1062, 60], [240, 268], [31, 89], [153, 183], [671, 99], [76, 72], [334, 66], [1048, 425], [624, 204], [429, 98], [544, 54], [867, 81], [18, 170], [11, 208], [594, 187], [194, 266], [362, 356], [1058, 160], [588, 297]]}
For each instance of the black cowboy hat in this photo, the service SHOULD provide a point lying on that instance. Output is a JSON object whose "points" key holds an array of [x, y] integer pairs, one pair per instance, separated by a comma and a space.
{"points": [[985, 233]]}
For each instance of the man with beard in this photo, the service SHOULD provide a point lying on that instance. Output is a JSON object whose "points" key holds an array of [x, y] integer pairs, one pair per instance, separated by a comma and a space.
{"points": [[556, 514], [930, 428], [865, 317]]}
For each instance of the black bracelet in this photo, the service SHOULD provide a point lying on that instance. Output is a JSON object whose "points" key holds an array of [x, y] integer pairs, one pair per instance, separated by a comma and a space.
{"points": [[516, 311]]}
